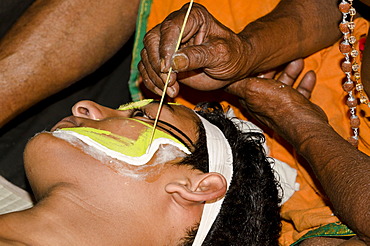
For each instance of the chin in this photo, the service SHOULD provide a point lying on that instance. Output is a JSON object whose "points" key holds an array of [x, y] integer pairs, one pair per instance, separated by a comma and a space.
{"points": [[49, 161], [36, 148], [35, 155]]}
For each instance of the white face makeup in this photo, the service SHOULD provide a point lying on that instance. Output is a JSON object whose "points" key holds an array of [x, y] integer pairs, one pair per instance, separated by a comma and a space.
{"points": [[116, 151]]}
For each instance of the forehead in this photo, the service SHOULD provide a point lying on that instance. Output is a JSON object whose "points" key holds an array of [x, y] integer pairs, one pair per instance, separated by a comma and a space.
{"points": [[173, 117]]}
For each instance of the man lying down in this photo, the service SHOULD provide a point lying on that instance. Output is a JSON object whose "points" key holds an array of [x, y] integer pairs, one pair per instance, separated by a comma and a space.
{"points": [[204, 180]]}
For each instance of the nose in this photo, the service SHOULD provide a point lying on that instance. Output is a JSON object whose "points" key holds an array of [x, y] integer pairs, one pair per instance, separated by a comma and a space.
{"points": [[88, 109]]}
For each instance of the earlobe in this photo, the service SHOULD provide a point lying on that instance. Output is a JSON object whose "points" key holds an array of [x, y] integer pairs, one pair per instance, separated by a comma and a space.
{"points": [[202, 188]]}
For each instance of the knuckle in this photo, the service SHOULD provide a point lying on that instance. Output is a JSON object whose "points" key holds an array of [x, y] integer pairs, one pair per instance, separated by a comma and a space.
{"points": [[150, 38], [143, 53]]}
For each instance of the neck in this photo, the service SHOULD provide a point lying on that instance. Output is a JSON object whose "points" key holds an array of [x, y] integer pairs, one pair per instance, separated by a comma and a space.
{"points": [[61, 218]]}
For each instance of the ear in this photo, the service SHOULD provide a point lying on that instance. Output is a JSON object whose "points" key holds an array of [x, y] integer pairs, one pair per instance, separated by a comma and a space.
{"points": [[199, 188]]}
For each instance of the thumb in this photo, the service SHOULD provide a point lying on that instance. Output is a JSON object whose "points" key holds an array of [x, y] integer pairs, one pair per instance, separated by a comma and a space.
{"points": [[194, 57]]}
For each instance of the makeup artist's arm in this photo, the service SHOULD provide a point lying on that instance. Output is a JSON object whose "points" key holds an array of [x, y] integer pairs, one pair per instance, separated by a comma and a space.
{"points": [[342, 170], [55, 43], [292, 30]]}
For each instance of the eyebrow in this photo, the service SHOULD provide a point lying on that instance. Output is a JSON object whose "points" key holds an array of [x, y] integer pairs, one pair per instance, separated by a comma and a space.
{"points": [[174, 135], [169, 107]]}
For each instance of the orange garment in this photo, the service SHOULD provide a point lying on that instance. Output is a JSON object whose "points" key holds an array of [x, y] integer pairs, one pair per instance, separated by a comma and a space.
{"points": [[307, 209]]}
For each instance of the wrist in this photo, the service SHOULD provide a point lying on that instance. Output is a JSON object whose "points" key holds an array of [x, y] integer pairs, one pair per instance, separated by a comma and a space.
{"points": [[253, 57], [311, 137]]}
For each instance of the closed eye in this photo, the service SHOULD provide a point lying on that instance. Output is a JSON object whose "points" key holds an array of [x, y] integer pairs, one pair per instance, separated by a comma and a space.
{"points": [[169, 128], [139, 112]]}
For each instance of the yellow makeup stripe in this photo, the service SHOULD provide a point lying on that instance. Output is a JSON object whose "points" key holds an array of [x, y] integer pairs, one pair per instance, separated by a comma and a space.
{"points": [[169, 73], [132, 151], [133, 105], [139, 104]]}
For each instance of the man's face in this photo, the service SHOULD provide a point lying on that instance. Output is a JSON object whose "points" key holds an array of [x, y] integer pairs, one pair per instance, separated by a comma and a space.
{"points": [[52, 162], [128, 134], [132, 120]]}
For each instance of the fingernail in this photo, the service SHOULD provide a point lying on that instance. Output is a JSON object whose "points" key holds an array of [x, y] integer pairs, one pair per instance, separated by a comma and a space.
{"points": [[170, 91], [164, 77], [180, 62], [158, 91]]}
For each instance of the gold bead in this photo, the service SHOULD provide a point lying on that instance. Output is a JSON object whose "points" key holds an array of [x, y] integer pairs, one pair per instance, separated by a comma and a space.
{"points": [[354, 53], [359, 87], [363, 100], [355, 67], [352, 39], [351, 25], [357, 76], [352, 11]]}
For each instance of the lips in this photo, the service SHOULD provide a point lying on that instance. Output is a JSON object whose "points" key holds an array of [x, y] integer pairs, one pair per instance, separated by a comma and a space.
{"points": [[69, 121]]}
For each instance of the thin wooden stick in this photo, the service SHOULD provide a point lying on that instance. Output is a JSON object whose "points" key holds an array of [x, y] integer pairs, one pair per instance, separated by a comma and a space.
{"points": [[168, 74]]}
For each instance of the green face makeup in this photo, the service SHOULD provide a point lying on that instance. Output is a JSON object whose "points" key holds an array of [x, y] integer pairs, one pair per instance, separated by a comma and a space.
{"points": [[138, 104], [132, 151], [120, 144], [134, 105]]}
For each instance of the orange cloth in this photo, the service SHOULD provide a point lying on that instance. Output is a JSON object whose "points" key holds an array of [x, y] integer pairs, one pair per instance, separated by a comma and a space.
{"points": [[234, 14], [307, 208]]}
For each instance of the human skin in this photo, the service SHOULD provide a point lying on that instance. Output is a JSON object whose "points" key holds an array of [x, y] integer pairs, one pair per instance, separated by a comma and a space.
{"points": [[57, 42], [81, 201], [342, 170], [222, 56]]}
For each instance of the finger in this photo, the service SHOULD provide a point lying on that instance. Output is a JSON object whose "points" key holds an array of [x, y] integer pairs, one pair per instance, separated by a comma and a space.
{"points": [[147, 81], [151, 46], [267, 74], [154, 74], [151, 79], [206, 55], [307, 84], [170, 30], [172, 91], [240, 88], [172, 87], [150, 70], [291, 72]]}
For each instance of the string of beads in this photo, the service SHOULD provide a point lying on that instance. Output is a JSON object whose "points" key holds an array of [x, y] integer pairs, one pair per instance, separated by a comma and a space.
{"points": [[351, 67]]}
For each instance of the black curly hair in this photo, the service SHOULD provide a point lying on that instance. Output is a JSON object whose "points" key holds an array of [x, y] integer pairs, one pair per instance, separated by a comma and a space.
{"points": [[250, 212]]}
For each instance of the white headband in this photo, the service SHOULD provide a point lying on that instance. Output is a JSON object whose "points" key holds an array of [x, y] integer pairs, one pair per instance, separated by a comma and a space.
{"points": [[220, 161]]}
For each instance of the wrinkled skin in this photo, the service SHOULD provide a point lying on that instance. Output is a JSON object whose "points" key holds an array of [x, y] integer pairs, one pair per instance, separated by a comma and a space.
{"points": [[215, 53], [283, 102], [344, 175], [215, 56]]}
